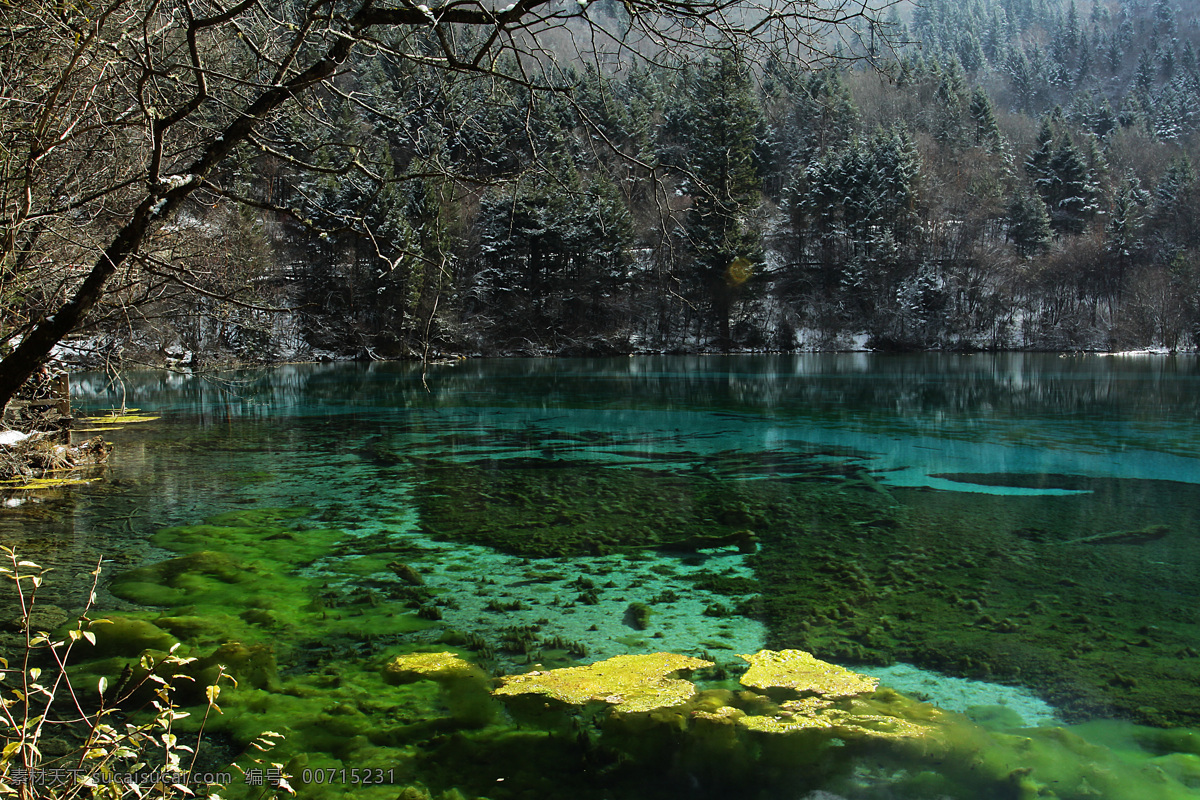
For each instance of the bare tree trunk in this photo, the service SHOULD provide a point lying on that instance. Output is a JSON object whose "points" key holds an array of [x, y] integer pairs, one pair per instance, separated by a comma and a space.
{"points": [[160, 203], [102, 104]]}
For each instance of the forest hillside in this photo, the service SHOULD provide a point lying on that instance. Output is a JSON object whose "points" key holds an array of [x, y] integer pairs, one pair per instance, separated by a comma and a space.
{"points": [[1011, 174]]}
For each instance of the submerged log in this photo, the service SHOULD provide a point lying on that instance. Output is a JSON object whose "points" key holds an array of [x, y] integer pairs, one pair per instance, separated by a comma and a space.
{"points": [[1151, 533]]}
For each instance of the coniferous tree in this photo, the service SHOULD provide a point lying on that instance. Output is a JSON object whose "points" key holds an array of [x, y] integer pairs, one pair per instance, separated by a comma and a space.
{"points": [[1123, 232], [1133, 113], [1125, 219], [720, 141], [1028, 224], [1164, 15], [1188, 60], [1084, 60], [1071, 32], [1038, 162], [987, 131], [970, 53], [1071, 192], [1023, 80], [1097, 166], [1176, 202], [948, 111], [1094, 113], [1145, 77], [1114, 56], [857, 208]]}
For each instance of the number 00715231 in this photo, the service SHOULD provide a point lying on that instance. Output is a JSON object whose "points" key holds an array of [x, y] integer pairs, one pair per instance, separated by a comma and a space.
{"points": [[343, 775]]}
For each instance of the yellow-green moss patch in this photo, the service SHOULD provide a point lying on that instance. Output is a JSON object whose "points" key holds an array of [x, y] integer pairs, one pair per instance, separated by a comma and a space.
{"points": [[431, 666], [629, 683], [35, 484], [801, 672], [118, 419]]}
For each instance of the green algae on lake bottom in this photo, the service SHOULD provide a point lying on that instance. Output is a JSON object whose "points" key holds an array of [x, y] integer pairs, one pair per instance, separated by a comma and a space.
{"points": [[797, 725], [990, 587], [547, 509], [844, 570], [982, 586]]}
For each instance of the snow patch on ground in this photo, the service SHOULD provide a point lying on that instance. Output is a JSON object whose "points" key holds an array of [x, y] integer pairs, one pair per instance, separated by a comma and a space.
{"points": [[9, 438], [1152, 351], [858, 341]]}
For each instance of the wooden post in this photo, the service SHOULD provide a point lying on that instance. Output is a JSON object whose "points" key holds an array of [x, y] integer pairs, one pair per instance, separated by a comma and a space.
{"points": [[62, 392]]}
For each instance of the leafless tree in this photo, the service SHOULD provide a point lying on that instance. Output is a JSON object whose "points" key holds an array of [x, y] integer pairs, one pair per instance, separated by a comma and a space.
{"points": [[117, 118]]}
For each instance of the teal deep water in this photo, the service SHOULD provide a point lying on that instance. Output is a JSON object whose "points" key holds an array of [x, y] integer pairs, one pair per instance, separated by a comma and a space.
{"points": [[1015, 533]]}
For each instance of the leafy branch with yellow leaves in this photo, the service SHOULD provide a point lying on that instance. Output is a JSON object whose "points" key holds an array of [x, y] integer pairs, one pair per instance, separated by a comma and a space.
{"points": [[60, 742]]}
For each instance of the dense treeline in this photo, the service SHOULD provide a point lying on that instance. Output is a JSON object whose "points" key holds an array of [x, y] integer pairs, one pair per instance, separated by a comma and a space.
{"points": [[1021, 175]]}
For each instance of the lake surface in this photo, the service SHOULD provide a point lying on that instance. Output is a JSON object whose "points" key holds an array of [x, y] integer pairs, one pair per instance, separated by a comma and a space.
{"points": [[1012, 537]]}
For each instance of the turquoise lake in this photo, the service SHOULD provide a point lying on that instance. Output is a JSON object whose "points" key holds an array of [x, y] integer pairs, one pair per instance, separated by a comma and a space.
{"points": [[1011, 538]]}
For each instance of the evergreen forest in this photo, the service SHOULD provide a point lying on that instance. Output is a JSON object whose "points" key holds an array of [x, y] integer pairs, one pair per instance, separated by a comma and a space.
{"points": [[976, 174]]}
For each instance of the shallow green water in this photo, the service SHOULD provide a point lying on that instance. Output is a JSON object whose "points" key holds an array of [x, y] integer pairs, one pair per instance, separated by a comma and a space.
{"points": [[1026, 521]]}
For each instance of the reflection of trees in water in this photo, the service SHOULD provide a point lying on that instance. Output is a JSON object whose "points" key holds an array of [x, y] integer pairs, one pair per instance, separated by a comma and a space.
{"points": [[1034, 383]]}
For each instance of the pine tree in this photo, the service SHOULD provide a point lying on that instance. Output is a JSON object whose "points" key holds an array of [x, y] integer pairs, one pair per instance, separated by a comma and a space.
{"points": [[1145, 77], [948, 113], [1097, 166], [721, 139], [1038, 162], [1133, 114], [1188, 60], [723, 136], [1173, 225], [1122, 234], [1164, 15], [1023, 80], [1114, 55], [1176, 181], [1165, 56], [983, 114], [1095, 114], [1071, 32], [895, 171], [1071, 191], [970, 53], [1028, 224], [1002, 30], [1083, 63], [597, 98]]}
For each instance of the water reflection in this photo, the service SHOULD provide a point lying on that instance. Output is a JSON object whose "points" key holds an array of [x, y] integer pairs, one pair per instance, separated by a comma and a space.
{"points": [[1018, 519], [864, 383]]}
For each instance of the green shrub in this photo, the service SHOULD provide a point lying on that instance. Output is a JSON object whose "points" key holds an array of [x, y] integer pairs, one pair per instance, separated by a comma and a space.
{"points": [[59, 741]]}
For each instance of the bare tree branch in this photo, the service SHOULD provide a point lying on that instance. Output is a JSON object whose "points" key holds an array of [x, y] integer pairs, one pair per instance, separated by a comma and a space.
{"points": [[114, 121]]}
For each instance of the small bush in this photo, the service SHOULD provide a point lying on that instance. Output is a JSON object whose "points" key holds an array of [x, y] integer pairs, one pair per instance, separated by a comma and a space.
{"points": [[58, 742]]}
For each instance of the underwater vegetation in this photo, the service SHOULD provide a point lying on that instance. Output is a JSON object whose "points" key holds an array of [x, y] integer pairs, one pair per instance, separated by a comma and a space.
{"points": [[358, 672], [653, 726], [1002, 589], [1089, 598], [791, 724]]}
